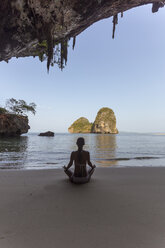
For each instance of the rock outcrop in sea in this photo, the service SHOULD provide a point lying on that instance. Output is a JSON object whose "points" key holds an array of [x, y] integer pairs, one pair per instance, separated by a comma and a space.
{"points": [[105, 122], [48, 134], [82, 125], [13, 125]]}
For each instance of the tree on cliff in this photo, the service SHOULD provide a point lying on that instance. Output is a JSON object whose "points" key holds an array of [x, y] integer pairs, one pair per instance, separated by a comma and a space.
{"points": [[20, 107], [3, 110]]}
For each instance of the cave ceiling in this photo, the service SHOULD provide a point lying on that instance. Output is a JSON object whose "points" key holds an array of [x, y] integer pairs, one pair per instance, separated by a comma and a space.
{"points": [[43, 28]]}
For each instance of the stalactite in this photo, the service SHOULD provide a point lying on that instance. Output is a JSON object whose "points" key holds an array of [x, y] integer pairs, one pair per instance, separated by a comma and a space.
{"points": [[156, 6], [49, 48], [115, 22], [62, 58], [74, 42], [64, 53]]}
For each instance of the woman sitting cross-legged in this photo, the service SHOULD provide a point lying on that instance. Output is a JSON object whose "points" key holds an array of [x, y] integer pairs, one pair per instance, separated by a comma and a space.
{"points": [[80, 158]]}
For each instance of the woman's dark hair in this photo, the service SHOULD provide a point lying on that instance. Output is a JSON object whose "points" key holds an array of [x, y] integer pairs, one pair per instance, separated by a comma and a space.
{"points": [[80, 142]]}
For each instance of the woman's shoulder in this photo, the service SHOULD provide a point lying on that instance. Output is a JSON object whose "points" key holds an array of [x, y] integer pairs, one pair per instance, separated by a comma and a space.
{"points": [[83, 151], [74, 152], [86, 152]]}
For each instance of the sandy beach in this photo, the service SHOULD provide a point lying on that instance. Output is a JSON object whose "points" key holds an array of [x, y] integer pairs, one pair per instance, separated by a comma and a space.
{"points": [[119, 208]]}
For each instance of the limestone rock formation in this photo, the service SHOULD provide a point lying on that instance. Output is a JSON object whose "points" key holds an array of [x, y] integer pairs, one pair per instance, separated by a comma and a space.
{"points": [[36, 27], [13, 125], [49, 134], [105, 122], [82, 125]]}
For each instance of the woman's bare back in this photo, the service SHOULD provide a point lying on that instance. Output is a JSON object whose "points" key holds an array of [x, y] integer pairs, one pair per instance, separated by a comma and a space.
{"points": [[80, 158]]}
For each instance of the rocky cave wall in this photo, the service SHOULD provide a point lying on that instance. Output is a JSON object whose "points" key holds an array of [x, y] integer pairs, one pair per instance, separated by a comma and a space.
{"points": [[36, 27]]}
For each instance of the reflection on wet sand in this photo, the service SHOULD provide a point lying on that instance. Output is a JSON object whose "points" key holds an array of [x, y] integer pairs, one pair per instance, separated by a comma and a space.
{"points": [[105, 152], [13, 152]]}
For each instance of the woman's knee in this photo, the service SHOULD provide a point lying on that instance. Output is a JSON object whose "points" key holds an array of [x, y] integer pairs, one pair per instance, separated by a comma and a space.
{"points": [[68, 172]]}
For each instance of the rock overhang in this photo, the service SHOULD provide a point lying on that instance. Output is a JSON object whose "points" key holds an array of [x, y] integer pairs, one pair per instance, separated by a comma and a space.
{"points": [[42, 28]]}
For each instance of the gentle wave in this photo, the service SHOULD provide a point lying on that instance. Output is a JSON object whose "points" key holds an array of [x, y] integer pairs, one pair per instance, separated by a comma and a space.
{"points": [[123, 159]]}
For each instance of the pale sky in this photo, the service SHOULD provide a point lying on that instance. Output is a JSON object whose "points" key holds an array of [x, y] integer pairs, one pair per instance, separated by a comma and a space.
{"points": [[126, 74]]}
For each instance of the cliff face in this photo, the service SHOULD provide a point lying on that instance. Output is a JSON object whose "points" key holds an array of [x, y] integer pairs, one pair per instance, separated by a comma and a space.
{"points": [[82, 125], [105, 122], [35, 27], [13, 125]]}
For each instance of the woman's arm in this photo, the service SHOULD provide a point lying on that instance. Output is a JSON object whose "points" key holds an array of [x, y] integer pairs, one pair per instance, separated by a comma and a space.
{"points": [[89, 161], [70, 162]]}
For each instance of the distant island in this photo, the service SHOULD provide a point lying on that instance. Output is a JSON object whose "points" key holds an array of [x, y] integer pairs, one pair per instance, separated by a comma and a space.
{"points": [[105, 122]]}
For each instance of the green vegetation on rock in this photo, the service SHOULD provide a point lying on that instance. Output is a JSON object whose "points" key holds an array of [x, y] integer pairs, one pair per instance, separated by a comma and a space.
{"points": [[3, 111], [53, 52], [82, 125], [105, 122], [105, 114]]}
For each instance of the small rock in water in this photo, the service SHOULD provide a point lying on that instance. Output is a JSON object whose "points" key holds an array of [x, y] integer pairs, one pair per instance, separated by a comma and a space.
{"points": [[49, 134]]}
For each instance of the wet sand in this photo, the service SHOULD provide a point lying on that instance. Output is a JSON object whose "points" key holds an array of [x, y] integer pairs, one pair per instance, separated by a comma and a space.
{"points": [[119, 208]]}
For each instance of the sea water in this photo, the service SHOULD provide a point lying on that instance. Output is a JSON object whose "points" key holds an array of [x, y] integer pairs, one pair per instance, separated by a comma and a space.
{"points": [[31, 151]]}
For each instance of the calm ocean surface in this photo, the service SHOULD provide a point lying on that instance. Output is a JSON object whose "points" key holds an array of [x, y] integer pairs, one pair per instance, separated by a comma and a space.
{"points": [[125, 149]]}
